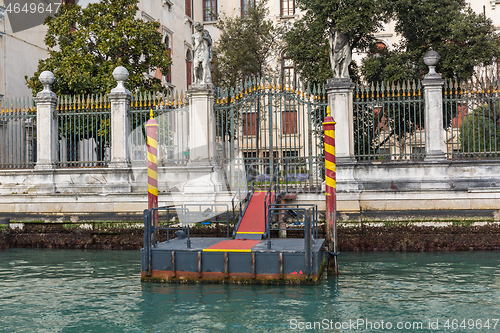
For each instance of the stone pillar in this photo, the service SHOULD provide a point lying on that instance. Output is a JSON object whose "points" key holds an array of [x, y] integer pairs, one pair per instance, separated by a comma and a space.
{"points": [[201, 123], [120, 122], [203, 177], [340, 95], [340, 101], [433, 99], [46, 124]]}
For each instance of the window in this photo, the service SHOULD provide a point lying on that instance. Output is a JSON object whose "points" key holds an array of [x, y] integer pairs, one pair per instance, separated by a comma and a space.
{"points": [[246, 5], [189, 65], [290, 156], [289, 122], [287, 7], [168, 46], [288, 76], [209, 10], [250, 159], [249, 123], [188, 8]]}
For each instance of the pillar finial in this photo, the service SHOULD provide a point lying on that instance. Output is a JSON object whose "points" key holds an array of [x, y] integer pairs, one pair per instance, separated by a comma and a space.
{"points": [[151, 114], [328, 114]]}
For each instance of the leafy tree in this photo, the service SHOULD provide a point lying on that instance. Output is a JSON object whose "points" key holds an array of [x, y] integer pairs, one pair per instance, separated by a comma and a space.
{"points": [[245, 46], [87, 44], [242, 54], [307, 41], [462, 38]]}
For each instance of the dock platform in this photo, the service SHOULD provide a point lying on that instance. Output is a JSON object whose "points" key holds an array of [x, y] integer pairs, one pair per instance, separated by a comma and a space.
{"points": [[249, 255], [223, 260]]}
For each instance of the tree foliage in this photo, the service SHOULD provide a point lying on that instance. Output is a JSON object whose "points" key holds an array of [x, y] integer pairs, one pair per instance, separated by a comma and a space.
{"points": [[245, 46], [462, 38], [87, 44], [307, 40], [480, 130]]}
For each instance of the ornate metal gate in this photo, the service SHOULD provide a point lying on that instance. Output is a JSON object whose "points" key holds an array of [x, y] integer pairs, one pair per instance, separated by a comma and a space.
{"points": [[262, 122]]}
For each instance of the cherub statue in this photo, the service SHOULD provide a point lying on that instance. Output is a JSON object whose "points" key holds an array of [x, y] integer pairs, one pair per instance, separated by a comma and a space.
{"points": [[202, 44], [341, 53]]}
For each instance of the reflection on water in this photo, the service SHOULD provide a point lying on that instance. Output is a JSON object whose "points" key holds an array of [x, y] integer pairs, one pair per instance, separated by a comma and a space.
{"points": [[100, 291]]}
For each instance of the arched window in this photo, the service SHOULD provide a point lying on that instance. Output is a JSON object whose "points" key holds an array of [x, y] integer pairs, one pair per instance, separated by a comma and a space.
{"points": [[380, 47], [167, 40], [189, 66]]}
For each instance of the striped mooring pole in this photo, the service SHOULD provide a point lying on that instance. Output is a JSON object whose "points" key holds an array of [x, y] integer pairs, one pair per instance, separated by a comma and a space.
{"points": [[152, 143], [331, 193]]}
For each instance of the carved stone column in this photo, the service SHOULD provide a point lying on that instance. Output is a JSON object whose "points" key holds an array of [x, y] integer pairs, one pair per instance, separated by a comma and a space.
{"points": [[120, 121], [433, 99], [46, 124]]}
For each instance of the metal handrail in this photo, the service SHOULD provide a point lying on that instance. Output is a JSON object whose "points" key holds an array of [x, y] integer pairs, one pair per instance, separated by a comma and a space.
{"points": [[184, 212], [242, 213], [309, 215], [270, 199], [291, 209], [242, 210], [207, 215]]}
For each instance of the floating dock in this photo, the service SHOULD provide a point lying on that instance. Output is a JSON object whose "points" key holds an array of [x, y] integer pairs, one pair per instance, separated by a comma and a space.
{"points": [[248, 255], [235, 261]]}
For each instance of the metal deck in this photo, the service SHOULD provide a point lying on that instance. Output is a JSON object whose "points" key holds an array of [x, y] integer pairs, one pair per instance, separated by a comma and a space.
{"points": [[250, 255], [285, 263]]}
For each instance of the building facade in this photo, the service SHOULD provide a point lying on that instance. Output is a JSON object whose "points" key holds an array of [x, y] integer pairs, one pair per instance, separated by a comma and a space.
{"points": [[20, 51]]}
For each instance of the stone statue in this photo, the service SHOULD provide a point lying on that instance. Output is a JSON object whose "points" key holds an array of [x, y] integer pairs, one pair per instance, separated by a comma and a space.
{"points": [[341, 54], [202, 44]]}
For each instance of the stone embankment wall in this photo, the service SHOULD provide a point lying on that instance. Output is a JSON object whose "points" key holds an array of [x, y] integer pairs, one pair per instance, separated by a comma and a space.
{"points": [[379, 236]]}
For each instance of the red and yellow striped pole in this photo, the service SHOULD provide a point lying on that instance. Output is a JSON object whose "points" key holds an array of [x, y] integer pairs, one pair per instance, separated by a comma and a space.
{"points": [[152, 143], [331, 191]]}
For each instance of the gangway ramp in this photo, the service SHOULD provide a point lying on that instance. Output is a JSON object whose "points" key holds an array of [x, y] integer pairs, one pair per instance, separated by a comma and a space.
{"points": [[253, 222]]}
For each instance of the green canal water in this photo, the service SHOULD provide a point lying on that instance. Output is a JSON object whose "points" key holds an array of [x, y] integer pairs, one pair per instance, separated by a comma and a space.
{"points": [[100, 291]]}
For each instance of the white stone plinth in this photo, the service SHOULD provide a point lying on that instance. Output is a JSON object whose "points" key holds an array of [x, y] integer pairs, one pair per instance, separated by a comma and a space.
{"points": [[46, 130], [434, 142], [201, 122], [340, 101]]}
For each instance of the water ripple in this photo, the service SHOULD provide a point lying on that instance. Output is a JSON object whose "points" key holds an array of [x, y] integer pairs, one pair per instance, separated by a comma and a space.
{"points": [[100, 291]]}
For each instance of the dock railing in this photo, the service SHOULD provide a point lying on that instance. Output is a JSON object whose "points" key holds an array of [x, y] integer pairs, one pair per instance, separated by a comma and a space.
{"points": [[300, 215], [271, 197], [240, 201], [184, 216], [206, 214]]}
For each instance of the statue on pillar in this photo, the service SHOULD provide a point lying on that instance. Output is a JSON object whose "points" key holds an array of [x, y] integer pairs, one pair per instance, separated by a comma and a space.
{"points": [[202, 44], [340, 54]]}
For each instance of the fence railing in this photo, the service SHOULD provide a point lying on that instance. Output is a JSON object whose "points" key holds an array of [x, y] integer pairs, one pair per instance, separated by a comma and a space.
{"points": [[17, 133], [171, 113], [472, 120], [265, 123], [83, 124], [389, 121], [262, 123]]}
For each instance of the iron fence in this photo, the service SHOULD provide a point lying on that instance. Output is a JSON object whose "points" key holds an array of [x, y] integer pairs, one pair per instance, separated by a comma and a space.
{"points": [[83, 124], [389, 121], [472, 120], [261, 123], [171, 113], [17, 133]]}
